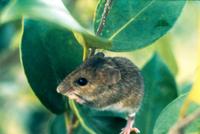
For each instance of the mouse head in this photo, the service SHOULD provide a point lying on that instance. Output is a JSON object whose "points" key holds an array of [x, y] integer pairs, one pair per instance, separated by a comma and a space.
{"points": [[96, 72]]}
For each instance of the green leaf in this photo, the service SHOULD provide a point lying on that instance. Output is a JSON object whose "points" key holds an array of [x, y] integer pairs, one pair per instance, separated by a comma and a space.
{"points": [[52, 11], [166, 53], [185, 88], [100, 122], [3, 4], [38, 9], [91, 122], [135, 24], [82, 11], [10, 34], [160, 90], [48, 54], [171, 114], [57, 125]]}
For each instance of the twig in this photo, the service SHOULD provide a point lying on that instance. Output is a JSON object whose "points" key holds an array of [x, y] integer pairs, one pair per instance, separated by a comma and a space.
{"points": [[68, 123], [104, 16], [102, 23], [180, 125]]}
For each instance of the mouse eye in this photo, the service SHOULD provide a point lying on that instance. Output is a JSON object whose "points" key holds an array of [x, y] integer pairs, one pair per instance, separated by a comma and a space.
{"points": [[82, 81]]}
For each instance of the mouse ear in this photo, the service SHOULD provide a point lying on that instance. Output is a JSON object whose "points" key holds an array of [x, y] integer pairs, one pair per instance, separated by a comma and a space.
{"points": [[110, 75]]}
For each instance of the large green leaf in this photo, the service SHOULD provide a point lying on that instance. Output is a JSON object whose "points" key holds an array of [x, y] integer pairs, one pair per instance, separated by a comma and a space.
{"points": [[133, 24], [170, 115], [39, 9], [48, 55], [91, 122], [99, 122], [57, 125], [160, 90], [52, 11]]}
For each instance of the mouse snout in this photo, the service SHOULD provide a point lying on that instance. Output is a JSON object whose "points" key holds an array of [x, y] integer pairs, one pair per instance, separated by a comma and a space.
{"points": [[64, 89], [61, 88]]}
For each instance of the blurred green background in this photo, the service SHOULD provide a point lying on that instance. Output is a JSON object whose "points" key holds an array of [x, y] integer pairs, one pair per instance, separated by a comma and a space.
{"points": [[22, 113]]}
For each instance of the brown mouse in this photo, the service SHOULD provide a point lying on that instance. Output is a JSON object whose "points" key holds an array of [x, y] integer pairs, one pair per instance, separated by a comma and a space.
{"points": [[111, 83]]}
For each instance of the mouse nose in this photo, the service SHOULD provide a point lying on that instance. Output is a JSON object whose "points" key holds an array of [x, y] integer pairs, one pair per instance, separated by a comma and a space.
{"points": [[64, 89], [60, 88]]}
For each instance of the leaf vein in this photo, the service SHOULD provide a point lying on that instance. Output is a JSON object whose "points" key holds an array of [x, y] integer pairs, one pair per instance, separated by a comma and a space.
{"points": [[131, 20]]}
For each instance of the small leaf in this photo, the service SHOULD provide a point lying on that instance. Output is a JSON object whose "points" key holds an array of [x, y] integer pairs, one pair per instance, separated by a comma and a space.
{"points": [[194, 94], [10, 34], [48, 54], [170, 115], [3, 4], [185, 88], [166, 53], [135, 24], [160, 90], [52, 11]]}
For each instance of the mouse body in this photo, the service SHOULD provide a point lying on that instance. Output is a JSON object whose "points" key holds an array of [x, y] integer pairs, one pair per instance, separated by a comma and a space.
{"points": [[111, 83]]}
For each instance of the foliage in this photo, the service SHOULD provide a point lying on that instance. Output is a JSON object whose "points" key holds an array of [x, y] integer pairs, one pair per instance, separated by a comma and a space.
{"points": [[10, 33], [194, 95], [160, 90], [137, 24], [53, 45], [170, 115], [48, 55]]}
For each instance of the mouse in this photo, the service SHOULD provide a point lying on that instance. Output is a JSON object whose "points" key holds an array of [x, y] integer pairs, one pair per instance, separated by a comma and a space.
{"points": [[107, 83]]}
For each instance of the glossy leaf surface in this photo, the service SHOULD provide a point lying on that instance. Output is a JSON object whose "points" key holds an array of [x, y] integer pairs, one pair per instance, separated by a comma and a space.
{"points": [[48, 55], [170, 115], [160, 90], [135, 24]]}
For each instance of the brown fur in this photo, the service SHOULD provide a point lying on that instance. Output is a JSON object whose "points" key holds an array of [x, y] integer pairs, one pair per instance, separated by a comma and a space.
{"points": [[112, 83]]}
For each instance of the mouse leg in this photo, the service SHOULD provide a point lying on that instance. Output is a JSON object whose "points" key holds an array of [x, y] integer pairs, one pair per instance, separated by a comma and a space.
{"points": [[130, 122]]}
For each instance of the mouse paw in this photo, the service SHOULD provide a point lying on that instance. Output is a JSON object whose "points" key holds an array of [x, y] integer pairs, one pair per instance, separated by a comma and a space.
{"points": [[128, 130]]}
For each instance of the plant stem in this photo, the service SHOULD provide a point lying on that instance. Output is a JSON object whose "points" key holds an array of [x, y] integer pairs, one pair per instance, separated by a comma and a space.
{"points": [[68, 123], [180, 125], [104, 16], [75, 110], [102, 23], [85, 53]]}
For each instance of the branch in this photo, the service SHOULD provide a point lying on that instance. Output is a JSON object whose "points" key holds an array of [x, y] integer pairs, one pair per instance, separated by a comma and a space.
{"points": [[102, 23], [180, 125]]}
